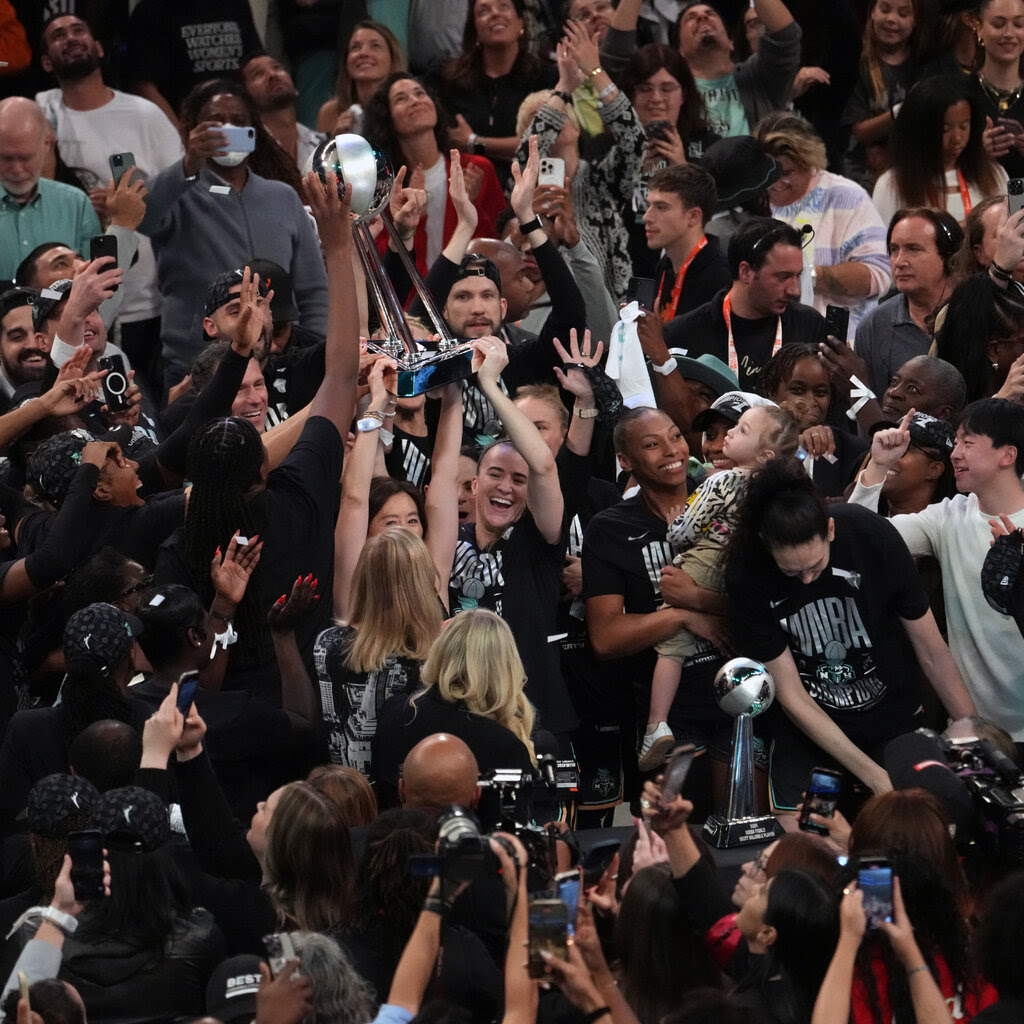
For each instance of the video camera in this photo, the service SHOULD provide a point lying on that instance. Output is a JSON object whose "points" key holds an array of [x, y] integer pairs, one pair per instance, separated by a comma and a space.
{"points": [[506, 805], [992, 781]]}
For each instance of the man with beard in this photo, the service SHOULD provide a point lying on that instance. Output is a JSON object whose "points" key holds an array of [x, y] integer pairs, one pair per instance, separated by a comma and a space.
{"points": [[23, 349], [32, 208], [271, 89], [737, 96], [92, 122]]}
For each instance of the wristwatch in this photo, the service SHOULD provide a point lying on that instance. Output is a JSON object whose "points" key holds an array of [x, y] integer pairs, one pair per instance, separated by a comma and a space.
{"points": [[372, 420], [666, 367], [584, 414]]}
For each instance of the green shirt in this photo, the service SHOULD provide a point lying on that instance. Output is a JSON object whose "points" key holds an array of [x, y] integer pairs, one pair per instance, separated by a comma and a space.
{"points": [[56, 213], [726, 116]]}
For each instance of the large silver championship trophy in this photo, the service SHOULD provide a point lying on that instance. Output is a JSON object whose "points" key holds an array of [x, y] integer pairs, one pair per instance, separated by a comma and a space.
{"points": [[743, 688], [367, 170]]}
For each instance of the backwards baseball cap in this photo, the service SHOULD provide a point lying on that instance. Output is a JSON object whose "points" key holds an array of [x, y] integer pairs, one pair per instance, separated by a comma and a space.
{"points": [[474, 265], [219, 291], [15, 298], [132, 819], [54, 463], [231, 990], [741, 169], [50, 298], [58, 804], [100, 634], [731, 406], [278, 280]]}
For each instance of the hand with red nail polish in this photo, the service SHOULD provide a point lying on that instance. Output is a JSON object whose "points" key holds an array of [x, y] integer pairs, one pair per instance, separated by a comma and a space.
{"points": [[288, 611]]}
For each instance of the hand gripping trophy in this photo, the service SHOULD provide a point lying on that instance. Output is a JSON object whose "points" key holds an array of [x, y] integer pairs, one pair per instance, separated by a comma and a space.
{"points": [[743, 688], [367, 170]]}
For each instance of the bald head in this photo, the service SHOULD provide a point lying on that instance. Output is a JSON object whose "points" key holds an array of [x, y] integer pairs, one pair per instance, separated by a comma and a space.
{"points": [[440, 770], [25, 138]]}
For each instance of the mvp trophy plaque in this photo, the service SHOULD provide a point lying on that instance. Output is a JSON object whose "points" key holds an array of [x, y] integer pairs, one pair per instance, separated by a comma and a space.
{"points": [[359, 164], [743, 688]]}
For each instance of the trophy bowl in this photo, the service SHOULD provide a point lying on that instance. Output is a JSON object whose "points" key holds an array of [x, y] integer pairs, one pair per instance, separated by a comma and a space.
{"points": [[359, 164], [744, 687]]}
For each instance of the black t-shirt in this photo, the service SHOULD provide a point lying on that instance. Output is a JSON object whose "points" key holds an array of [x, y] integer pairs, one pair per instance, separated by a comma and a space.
{"points": [[624, 550], [295, 517], [705, 277], [1013, 161], [248, 740], [702, 331], [520, 578], [176, 45], [843, 629], [293, 378]]}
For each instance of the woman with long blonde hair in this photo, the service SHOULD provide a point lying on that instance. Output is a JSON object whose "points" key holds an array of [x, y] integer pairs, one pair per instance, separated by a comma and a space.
{"points": [[394, 616], [472, 688]]}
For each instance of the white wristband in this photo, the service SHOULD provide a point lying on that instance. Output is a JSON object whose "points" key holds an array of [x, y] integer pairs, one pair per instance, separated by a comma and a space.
{"points": [[65, 922], [666, 367]]}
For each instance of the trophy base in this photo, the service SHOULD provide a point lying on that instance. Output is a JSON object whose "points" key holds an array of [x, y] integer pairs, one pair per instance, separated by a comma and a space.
{"points": [[424, 371], [723, 833]]}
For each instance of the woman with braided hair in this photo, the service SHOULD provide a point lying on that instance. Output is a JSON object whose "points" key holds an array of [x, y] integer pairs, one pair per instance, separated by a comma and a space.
{"points": [[290, 512]]}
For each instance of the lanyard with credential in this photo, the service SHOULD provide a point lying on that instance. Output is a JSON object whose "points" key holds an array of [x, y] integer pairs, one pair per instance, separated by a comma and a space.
{"points": [[669, 311], [965, 195], [734, 364]]}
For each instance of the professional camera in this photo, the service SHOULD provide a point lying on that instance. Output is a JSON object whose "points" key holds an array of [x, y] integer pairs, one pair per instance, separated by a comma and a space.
{"points": [[992, 781]]}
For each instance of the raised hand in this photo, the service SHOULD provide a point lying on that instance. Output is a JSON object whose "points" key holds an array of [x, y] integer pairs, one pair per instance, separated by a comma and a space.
{"points": [[571, 374], [288, 611], [464, 206], [331, 211], [490, 357], [890, 445], [230, 572], [408, 204], [525, 179]]}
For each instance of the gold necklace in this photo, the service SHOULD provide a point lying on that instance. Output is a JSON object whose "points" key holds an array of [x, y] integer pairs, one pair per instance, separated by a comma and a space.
{"points": [[1002, 98]]}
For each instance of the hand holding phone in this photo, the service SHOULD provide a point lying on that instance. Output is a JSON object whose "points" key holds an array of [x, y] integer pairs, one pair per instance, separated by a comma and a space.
{"points": [[676, 771], [187, 684], [874, 878], [104, 245], [85, 848], [549, 933], [821, 797]]}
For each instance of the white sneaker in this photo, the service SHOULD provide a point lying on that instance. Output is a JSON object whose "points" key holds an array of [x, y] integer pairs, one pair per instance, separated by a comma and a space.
{"points": [[655, 746]]}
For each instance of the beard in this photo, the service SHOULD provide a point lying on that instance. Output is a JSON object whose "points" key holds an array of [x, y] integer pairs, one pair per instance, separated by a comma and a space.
{"points": [[279, 99], [77, 68]]}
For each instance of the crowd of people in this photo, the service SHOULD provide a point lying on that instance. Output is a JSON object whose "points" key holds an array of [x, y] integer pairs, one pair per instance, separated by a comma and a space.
{"points": [[316, 685]]}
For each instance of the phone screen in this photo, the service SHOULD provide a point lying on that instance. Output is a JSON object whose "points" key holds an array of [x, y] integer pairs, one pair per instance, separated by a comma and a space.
{"points": [[280, 950], [569, 894], [875, 880], [676, 772], [85, 848], [187, 685], [822, 796], [549, 922]]}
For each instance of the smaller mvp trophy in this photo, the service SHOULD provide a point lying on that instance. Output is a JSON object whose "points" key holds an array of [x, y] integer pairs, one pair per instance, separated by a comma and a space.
{"points": [[366, 169], [743, 689]]}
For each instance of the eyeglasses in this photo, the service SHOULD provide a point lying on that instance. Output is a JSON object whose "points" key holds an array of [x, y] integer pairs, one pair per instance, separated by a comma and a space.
{"points": [[756, 867], [144, 584], [665, 89]]}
